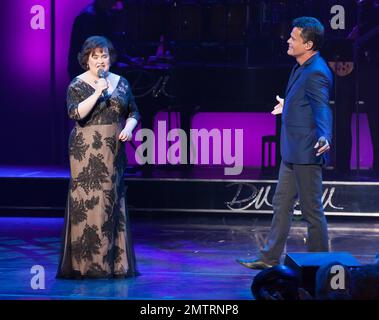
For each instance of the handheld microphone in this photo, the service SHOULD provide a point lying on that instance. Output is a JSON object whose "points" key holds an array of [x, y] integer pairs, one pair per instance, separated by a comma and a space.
{"points": [[102, 74], [321, 142]]}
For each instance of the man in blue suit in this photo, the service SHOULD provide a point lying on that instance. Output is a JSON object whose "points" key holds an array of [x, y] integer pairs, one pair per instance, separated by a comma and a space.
{"points": [[305, 136]]}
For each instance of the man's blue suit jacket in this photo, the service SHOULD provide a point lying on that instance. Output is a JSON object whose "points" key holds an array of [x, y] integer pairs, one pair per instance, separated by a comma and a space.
{"points": [[306, 113]]}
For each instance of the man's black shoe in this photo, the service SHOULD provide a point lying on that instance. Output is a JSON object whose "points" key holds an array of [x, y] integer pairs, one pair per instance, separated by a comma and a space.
{"points": [[254, 264]]}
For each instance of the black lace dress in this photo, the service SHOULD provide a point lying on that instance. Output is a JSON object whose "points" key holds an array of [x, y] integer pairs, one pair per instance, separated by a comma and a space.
{"points": [[96, 239]]}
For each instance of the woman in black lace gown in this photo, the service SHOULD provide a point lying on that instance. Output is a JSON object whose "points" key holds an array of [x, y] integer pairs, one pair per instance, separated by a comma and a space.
{"points": [[96, 240]]}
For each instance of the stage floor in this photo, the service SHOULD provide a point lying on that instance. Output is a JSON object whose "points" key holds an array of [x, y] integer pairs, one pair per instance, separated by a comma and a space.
{"points": [[177, 172], [180, 256]]}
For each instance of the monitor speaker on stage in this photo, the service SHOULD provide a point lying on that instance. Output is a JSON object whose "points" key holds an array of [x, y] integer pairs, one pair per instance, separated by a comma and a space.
{"points": [[306, 265]]}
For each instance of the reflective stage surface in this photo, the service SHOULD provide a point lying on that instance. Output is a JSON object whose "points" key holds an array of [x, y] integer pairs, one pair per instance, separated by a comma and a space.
{"points": [[186, 256]]}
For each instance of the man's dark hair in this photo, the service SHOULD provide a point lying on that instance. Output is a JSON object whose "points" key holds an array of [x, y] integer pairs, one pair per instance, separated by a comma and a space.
{"points": [[312, 30], [89, 47]]}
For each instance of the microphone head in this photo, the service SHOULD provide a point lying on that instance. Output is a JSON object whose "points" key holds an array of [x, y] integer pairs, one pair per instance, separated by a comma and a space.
{"points": [[321, 141], [101, 73]]}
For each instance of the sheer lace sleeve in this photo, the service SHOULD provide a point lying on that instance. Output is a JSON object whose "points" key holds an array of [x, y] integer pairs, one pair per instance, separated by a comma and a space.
{"points": [[73, 100], [132, 107]]}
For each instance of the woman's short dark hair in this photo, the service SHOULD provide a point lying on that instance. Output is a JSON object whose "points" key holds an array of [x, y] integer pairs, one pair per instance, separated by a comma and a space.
{"points": [[312, 30], [89, 47]]}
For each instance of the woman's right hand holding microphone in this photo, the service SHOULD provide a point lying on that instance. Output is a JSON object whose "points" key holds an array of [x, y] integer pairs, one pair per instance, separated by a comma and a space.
{"points": [[101, 86]]}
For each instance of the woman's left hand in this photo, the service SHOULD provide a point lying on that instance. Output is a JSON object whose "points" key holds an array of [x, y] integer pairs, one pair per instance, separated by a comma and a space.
{"points": [[125, 135]]}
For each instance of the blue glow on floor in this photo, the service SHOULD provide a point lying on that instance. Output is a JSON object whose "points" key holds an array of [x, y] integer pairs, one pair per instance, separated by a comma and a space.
{"points": [[171, 267], [177, 260]]}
